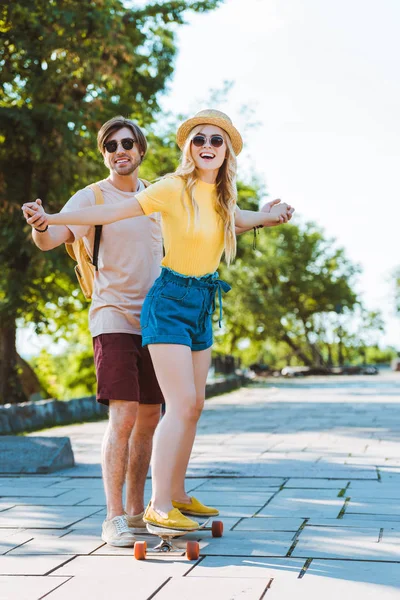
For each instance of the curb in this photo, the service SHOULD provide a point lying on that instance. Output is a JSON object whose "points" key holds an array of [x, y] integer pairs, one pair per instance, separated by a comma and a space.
{"points": [[33, 416]]}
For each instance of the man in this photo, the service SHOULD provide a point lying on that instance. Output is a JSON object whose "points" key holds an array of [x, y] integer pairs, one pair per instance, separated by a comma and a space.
{"points": [[129, 260]]}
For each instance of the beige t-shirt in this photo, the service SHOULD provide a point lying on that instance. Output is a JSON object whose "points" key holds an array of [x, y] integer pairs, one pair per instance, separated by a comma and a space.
{"points": [[129, 261]]}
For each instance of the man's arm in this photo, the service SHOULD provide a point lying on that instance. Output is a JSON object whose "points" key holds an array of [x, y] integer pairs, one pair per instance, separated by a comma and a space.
{"points": [[48, 237], [95, 215]]}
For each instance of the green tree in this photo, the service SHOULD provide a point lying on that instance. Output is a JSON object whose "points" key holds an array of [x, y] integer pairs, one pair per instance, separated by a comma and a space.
{"points": [[281, 288], [65, 67]]}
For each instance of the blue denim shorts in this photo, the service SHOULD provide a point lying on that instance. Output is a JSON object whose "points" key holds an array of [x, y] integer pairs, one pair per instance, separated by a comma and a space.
{"points": [[178, 309]]}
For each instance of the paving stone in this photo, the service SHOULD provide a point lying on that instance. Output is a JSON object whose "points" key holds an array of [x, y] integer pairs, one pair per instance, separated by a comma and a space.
{"points": [[249, 566], [238, 498], [269, 524], [390, 535], [197, 588], [71, 543], [315, 588], [237, 511], [51, 517], [30, 565], [369, 507], [384, 493], [382, 573], [306, 494], [241, 484], [304, 508], [6, 505], [83, 470], [240, 543], [315, 483], [102, 586], [94, 483], [363, 579], [348, 521], [373, 485], [163, 566], [28, 588], [324, 542], [26, 480], [28, 491], [65, 498], [12, 541], [377, 518]]}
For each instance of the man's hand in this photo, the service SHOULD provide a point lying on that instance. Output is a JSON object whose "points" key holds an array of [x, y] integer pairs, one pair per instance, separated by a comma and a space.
{"points": [[34, 214], [285, 211], [267, 207]]}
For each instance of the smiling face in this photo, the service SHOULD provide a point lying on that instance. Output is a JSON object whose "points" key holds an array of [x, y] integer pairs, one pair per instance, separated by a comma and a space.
{"points": [[210, 153], [123, 161]]}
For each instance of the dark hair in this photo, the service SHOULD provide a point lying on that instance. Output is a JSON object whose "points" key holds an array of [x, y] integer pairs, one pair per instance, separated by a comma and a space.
{"points": [[117, 123]]}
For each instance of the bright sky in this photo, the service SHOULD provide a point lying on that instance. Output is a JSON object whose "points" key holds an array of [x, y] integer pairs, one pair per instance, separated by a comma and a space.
{"points": [[323, 80]]}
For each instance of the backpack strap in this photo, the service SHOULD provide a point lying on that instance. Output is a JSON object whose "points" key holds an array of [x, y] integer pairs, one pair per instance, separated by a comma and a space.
{"points": [[99, 199]]}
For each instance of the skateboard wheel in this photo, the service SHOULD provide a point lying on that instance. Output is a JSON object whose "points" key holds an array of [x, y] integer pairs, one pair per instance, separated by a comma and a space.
{"points": [[192, 550], [217, 528], [140, 550]]}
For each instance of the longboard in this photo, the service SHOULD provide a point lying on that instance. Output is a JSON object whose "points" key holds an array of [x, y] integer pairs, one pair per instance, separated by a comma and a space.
{"points": [[167, 535]]}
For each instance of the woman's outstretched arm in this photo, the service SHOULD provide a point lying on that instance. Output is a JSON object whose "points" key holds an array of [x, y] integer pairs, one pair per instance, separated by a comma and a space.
{"points": [[94, 215], [279, 213]]}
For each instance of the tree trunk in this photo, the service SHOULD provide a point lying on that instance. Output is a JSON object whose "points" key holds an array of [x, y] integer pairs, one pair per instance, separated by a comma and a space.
{"points": [[330, 357], [340, 347], [296, 349], [317, 356], [29, 381], [10, 385]]}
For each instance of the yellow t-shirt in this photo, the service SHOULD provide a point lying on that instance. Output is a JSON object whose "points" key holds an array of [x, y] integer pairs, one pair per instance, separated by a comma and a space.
{"points": [[194, 250]]}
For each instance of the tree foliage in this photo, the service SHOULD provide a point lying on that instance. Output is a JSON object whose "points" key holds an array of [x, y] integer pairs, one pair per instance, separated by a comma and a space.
{"points": [[284, 289], [65, 68]]}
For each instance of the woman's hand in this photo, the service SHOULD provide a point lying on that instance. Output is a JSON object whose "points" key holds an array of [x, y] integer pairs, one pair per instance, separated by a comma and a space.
{"points": [[35, 215]]}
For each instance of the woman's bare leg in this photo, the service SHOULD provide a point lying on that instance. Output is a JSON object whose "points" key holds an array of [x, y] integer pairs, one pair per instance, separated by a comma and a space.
{"points": [[174, 368], [201, 364]]}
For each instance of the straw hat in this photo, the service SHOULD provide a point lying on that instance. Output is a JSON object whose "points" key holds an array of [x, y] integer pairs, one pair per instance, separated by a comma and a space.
{"points": [[210, 117]]}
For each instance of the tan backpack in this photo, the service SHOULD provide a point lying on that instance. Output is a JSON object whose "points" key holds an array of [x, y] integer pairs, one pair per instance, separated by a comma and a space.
{"points": [[86, 266]]}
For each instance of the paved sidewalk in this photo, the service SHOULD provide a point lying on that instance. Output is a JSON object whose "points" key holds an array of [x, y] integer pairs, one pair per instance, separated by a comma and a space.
{"points": [[306, 474]]}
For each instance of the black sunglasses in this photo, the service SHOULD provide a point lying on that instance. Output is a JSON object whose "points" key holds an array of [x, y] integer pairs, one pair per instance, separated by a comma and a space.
{"points": [[215, 140], [126, 143]]}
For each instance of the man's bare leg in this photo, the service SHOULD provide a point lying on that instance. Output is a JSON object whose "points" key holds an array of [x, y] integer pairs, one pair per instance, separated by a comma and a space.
{"points": [[115, 447], [140, 447]]}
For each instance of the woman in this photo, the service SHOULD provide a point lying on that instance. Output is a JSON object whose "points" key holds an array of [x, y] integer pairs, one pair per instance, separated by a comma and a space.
{"points": [[199, 213]]}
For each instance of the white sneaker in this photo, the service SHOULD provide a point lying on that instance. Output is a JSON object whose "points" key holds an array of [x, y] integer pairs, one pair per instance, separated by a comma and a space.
{"points": [[117, 533]]}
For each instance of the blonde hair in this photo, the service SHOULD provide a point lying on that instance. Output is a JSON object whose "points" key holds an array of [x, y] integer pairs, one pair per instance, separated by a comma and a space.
{"points": [[226, 190]]}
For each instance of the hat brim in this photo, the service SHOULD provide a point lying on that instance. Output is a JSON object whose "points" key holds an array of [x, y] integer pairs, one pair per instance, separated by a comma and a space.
{"points": [[187, 126]]}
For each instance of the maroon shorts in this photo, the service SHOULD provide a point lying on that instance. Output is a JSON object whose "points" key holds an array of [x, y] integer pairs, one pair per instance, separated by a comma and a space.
{"points": [[124, 369]]}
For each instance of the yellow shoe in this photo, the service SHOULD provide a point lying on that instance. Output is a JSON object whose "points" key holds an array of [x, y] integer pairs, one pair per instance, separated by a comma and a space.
{"points": [[175, 520], [196, 508]]}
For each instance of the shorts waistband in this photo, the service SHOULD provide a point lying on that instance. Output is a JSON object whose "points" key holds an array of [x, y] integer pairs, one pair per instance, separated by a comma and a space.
{"points": [[189, 280]]}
